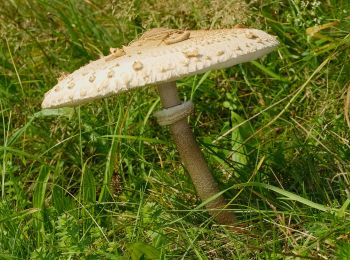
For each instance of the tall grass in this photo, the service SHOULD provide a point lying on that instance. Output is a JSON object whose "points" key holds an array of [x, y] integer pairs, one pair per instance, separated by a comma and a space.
{"points": [[105, 181]]}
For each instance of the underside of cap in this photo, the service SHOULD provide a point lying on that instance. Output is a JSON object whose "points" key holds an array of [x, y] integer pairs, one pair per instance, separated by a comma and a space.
{"points": [[159, 55]]}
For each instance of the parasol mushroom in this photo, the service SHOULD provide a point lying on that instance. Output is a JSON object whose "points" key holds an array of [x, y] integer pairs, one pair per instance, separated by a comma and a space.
{"points": [[160, 57]]}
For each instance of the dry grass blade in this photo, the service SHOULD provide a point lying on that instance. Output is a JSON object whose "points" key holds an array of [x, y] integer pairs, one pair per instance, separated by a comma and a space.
{"points": [[314, 31]]}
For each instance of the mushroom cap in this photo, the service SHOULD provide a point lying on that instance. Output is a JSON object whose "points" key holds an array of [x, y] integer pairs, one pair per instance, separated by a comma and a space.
{"points": [[159, 55]]}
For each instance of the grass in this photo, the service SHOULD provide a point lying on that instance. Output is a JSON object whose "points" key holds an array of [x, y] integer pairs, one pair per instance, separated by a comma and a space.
{"points": [[104, 180]]}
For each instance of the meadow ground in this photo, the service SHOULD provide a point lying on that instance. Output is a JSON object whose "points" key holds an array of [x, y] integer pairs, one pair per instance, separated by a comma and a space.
{"points": [[105, 181]]}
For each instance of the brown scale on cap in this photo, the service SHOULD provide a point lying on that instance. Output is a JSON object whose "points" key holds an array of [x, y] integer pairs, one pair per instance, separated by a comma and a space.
{"points": [[163, 69], [137, 65], [71, 85], [157, 34], [110, 74], [191, 53], [219, 53], [251, 35], [83, 92], [62, 76], [115, 53], [177, 37], [92, 78], [259, 40], [240, 26]]}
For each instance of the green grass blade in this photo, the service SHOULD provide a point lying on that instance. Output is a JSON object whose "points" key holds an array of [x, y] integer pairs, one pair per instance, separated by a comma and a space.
{"points": [[287, 194], [342, 211], [40, 187], [61, 201], [38, 202], [269, 72], [88, 186]]}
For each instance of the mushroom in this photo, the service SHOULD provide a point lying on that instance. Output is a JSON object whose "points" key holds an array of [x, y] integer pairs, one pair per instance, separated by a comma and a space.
{"points": [[160, 57]]}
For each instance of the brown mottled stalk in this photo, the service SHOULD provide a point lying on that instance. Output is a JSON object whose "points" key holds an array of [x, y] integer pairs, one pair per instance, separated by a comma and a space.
{"points": [[193, 159]]}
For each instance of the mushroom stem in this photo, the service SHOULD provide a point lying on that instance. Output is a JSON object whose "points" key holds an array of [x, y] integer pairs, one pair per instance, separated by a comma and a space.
{"points": [[193, 159]]}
